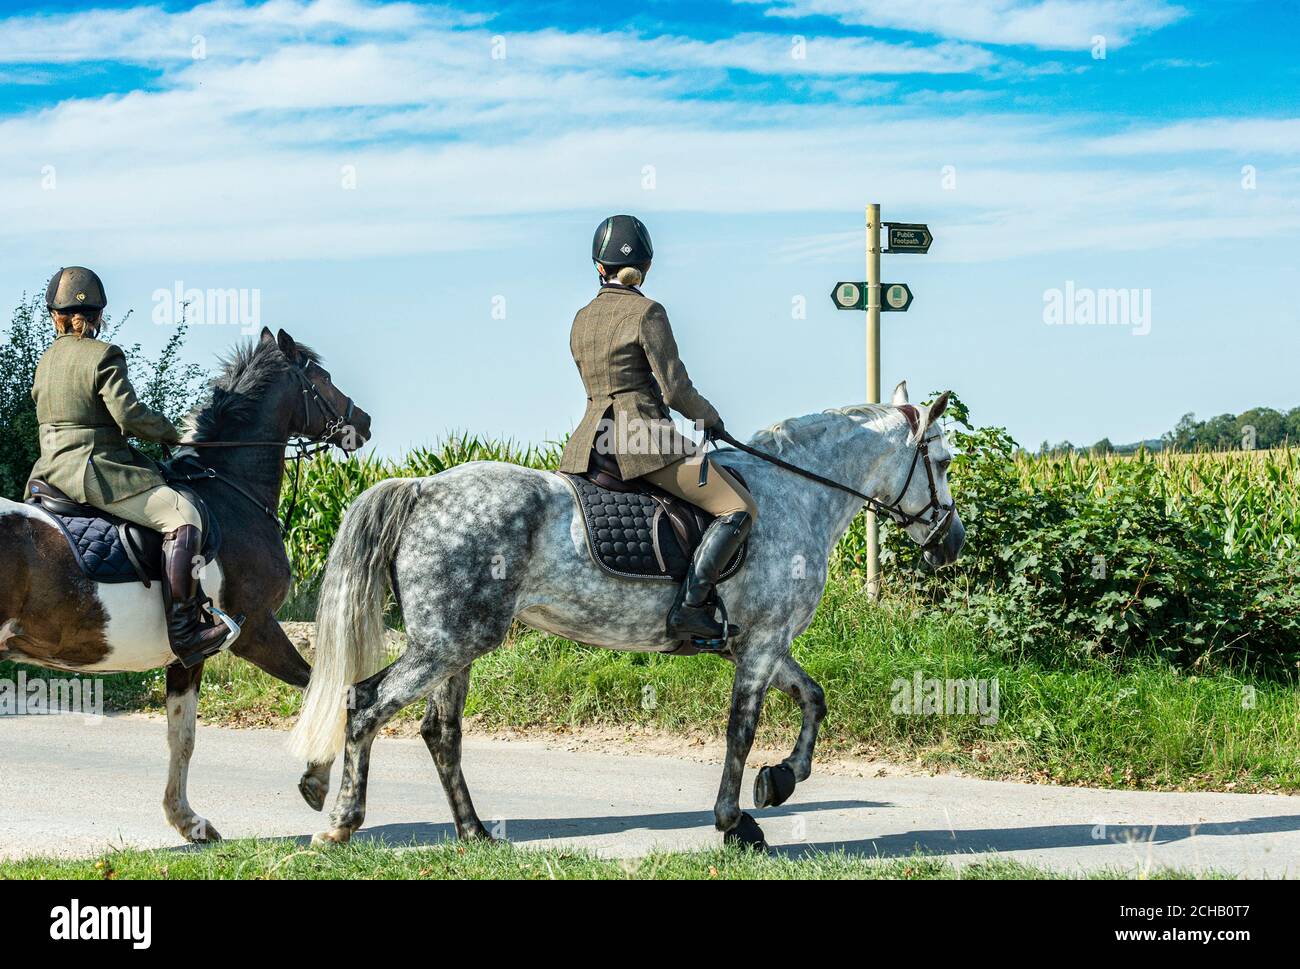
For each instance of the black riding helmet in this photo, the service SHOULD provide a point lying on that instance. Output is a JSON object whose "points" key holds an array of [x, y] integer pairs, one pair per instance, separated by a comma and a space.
{"points": [[75, 287], [622, 240]]}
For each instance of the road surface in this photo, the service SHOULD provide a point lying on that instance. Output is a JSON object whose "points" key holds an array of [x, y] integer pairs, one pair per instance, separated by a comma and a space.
{"points": [[72, 788]]}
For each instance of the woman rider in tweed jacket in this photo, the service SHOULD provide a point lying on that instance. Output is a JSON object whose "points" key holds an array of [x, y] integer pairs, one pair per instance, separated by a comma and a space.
{"points": [[87, 409], [627, 357]]}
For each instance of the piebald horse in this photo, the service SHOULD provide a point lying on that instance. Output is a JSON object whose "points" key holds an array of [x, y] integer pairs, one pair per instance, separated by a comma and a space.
{"points": [[469, 551], [268, 392]]}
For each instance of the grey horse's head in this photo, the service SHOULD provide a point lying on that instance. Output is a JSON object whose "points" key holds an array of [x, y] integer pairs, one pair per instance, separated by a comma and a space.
{"points": [[937, 526]]}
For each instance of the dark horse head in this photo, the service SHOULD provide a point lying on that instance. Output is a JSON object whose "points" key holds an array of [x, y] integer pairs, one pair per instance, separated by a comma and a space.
{"points": [[276, 389]]}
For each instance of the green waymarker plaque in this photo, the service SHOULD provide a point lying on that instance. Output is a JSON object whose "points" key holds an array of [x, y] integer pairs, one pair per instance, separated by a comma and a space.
{"points": [[849, 296], [895, 297]]}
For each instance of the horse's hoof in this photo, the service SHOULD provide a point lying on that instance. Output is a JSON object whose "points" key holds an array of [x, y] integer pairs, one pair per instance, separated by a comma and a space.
{"points": [[773, 786], [201, 832], [746, 834], [478, 833], [313, 791], [334, 836]]}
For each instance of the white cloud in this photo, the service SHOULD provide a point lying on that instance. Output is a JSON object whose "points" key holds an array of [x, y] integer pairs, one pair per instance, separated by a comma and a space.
{"points": [[758, 53], [152, 35], [241, 156], [1047, 24], [1240, 137]]}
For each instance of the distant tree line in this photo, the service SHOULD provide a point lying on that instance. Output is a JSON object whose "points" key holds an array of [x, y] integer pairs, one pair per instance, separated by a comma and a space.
{"points": [[1259, 428]]}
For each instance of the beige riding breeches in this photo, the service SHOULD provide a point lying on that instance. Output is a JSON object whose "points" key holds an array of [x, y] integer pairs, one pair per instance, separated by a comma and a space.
{"points": [[163, 509], [722, 494]]}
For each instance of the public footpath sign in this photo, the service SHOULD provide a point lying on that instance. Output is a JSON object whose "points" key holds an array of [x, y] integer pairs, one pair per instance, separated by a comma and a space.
{"points": [[909, 237]]}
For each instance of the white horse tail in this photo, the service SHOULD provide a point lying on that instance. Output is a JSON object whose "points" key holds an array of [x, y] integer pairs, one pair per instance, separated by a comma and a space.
{"points": [[350, 616]]}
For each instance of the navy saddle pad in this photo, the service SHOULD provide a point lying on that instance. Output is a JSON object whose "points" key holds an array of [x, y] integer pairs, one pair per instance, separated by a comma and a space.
{"points": [[636, 531], [112, 550]]}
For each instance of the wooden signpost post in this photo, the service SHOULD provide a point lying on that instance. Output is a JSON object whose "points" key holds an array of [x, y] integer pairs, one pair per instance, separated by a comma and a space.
{"points": [[875, 297]]}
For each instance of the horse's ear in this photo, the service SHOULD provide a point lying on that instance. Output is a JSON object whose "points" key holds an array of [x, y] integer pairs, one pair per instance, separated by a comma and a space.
{"points": [[267, 335], [900, 393], [932, 414], [287, 346]]}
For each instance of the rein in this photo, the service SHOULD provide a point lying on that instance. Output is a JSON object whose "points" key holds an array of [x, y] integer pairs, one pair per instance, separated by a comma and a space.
{"points": [[938, 523]]}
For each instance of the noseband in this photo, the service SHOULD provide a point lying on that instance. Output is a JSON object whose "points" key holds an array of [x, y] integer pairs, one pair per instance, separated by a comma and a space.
{"points": [[334, 422]]}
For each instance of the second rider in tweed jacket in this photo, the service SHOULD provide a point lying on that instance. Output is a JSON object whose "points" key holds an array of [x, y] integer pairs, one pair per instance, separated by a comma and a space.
{"points": [[627, 356]]}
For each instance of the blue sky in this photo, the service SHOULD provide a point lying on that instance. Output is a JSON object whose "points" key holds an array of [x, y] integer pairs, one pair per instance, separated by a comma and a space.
{"points": [[412, 189]]}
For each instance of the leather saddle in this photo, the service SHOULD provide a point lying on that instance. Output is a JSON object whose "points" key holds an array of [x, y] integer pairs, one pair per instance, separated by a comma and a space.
{"points": [[110, 549], [637, 531]]}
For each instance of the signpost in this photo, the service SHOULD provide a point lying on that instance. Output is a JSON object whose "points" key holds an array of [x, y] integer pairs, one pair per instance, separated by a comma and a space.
{"points": [[876, 297]]}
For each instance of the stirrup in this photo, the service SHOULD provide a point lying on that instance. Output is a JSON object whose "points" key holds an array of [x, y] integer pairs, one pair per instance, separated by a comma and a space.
{"points": [[234, 626], [715, 645], [713, 605]]}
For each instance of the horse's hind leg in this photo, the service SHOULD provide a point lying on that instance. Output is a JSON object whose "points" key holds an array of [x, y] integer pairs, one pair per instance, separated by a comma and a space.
{"points": [[378, 699], [315, 784], [182, 714], [774, 785], [441, 731]]}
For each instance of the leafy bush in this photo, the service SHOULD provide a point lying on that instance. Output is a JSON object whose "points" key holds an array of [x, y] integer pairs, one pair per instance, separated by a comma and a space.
{"points": [[1114, 563]]}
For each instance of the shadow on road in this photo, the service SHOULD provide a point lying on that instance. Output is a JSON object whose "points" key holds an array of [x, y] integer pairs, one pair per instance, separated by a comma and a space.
{"points": [[541, 829], [903, 844], [1043, 836]]}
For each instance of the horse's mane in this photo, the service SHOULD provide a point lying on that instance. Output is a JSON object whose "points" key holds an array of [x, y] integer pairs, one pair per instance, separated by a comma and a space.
{"points": [[781, 435], [246, 375]]}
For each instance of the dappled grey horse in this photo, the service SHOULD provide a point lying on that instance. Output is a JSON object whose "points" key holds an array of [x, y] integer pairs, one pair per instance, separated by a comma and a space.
{"points": [[472, 549]]}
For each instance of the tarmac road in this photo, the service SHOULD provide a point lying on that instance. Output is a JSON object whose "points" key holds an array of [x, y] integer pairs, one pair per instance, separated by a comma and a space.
{"points": [[73, 788]]}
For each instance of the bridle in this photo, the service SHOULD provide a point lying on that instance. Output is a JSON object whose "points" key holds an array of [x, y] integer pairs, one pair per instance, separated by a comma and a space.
{"points": [[940, 515], [334, 424]]}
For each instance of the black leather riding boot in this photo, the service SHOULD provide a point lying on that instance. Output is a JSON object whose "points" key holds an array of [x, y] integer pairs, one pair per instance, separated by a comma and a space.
{"points": [[692, 613], [191, 631]]}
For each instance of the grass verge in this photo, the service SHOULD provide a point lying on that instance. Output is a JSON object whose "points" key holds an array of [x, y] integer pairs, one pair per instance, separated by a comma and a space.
{"points": [[1086, 721], [289, 860]]}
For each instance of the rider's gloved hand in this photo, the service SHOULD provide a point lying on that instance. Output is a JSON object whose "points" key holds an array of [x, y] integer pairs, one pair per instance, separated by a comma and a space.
{"points": [[714, 432]]}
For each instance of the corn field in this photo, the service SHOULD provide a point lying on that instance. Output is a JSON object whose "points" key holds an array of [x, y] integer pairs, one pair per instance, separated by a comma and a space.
{"points": [[328, 486], [1249, 498]]}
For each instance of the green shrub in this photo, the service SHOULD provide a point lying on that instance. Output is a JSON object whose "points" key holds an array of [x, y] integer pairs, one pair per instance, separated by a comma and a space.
{"points": [[1115, 565]]}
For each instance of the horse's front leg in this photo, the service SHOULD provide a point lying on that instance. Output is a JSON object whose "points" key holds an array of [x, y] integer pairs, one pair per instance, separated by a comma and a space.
{"points": [[754, 668], [774, 785], [264, 644], [182, 715]]}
